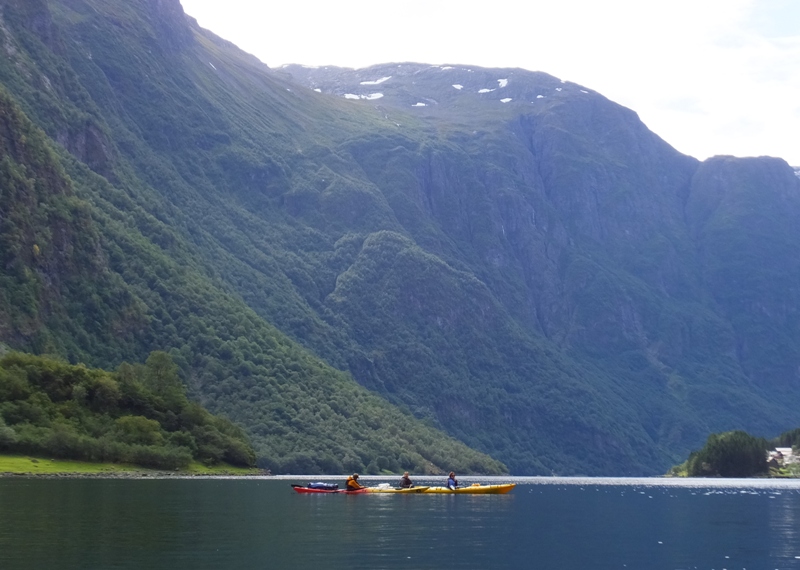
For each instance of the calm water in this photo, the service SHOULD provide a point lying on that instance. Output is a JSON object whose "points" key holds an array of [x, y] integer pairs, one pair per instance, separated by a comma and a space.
{"points": [[261, 524]]}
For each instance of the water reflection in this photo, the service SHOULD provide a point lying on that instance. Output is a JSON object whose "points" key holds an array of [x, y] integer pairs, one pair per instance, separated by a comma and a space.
{"points": [[544, 523], [783, 520]]}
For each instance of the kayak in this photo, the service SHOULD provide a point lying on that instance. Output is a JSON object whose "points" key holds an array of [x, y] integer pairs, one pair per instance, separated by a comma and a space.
{"points": [[475, 489], [410, 490], [301, 489]]}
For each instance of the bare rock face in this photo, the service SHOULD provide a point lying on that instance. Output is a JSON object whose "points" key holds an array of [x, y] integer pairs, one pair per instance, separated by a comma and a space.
{"points": [[35, 16], [89, 144], [170, 23], [743, 213]]}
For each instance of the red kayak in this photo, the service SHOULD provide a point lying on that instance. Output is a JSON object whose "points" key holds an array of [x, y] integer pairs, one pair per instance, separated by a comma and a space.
{"points": [[301, 489]]}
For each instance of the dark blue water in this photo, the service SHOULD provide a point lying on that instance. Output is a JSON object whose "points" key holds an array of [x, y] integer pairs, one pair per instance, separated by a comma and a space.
{"points": [[262, 524]]}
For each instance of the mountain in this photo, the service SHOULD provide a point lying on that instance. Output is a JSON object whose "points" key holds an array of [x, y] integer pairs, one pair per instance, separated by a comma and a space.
{"points": [[99, 267], [492, 253]]}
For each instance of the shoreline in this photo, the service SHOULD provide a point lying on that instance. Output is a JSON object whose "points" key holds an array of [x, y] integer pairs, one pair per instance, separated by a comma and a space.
{"points": [[26, 466], [131, 475], [641, 482]]}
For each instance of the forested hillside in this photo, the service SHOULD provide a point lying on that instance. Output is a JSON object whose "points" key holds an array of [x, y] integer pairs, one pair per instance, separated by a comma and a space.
{"points": [[138, 415], [95, 272], [496, 254]]}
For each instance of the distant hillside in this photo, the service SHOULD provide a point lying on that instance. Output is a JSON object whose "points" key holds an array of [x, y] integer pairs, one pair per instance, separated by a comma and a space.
{"points": [[495, 254]]}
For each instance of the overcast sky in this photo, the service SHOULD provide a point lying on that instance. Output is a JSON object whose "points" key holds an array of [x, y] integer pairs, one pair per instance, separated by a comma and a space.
{"points": [[709, 76]]}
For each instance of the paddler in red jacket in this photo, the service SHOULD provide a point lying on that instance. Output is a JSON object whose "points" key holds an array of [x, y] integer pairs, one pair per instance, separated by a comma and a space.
{"points": [[352, 483]]}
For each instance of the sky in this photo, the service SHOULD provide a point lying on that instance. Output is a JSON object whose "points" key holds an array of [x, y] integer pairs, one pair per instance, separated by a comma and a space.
{"points": [[708, 76]]}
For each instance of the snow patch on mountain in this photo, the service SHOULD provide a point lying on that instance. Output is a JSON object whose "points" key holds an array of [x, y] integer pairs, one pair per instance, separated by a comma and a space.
{"points": [[369, 97], [502, 82], [485, 90], [457, 86], [376, 81], [506, 100], [419, 105]]}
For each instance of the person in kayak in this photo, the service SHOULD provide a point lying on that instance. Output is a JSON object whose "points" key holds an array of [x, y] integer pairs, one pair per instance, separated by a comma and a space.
{"points": [[352, 483], [452, 482], [405, 482]]}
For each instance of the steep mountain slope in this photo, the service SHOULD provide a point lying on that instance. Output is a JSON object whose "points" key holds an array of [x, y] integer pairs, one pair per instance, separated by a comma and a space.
{"points": [[93, 274], [517, 260], [591, 217]]}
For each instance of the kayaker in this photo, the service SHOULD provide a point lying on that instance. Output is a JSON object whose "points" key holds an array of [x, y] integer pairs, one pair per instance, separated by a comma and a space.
{"points": [[452, 482], [405, 482], [352, 483]]}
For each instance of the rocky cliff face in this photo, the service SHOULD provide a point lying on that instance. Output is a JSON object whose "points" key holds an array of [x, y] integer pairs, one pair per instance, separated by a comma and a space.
{"points": [[170, 23], [743, 214], [589, 228], [33, 15]]}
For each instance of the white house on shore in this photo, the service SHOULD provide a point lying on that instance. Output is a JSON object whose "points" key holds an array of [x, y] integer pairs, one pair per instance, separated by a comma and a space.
{"points": [[783, 455]]}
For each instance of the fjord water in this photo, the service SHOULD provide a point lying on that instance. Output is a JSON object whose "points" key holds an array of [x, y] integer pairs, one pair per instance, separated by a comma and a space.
{"points": [[261, 524]]}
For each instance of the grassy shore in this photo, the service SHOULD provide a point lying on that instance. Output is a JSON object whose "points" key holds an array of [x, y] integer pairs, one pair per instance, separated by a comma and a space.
{"points": [[27, 465]]}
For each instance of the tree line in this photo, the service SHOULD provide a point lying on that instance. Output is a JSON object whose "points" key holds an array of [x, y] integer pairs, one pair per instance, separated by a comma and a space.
{"points": [[734, 454], [138, 414]]}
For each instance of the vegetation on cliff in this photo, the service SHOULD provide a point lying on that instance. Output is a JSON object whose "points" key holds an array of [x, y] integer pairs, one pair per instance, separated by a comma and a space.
{"points": [[92, 276]]}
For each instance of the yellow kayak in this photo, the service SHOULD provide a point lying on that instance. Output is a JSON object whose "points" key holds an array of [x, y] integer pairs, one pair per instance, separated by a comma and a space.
{"points": [[391, 490], [475, 489]]}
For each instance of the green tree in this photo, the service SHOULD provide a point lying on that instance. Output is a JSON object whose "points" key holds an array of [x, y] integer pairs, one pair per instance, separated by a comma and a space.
{"points": [[161, 377], [8, 436], [729, 454], [53, 408], [138, 430]]}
